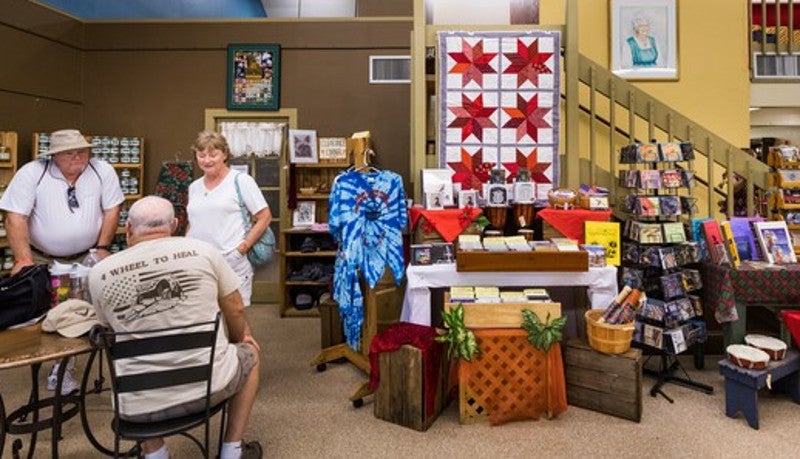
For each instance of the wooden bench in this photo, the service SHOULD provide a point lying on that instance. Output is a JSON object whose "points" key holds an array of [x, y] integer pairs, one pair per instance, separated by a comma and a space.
{"points": [[742, 385]]}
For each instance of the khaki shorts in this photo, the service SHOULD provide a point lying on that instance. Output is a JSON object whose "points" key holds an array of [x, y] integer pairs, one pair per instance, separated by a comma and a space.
{"points": [[247, 360]]}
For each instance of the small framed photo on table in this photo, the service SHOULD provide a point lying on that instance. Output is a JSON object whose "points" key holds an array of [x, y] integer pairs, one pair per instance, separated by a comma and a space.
{"points": [[434, 201], [302, 146], [497, 195], [523, 192], [467, 198], [305, 214]]}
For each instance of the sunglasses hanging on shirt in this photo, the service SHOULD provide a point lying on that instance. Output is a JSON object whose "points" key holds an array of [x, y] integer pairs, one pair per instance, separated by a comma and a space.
{"points": [[72, 199]]}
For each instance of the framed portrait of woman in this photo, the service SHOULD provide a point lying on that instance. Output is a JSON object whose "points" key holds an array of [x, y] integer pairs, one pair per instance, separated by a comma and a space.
{"points": [[644, 39]]}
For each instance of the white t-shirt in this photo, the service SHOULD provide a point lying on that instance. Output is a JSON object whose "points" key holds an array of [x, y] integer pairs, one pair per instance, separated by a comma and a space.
{"points": [[163, 283], [215, 217], [54, 227]]}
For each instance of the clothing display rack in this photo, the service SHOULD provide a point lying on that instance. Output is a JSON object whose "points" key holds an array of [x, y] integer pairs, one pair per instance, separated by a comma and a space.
{"points": [[360, 153], [668, 366]]}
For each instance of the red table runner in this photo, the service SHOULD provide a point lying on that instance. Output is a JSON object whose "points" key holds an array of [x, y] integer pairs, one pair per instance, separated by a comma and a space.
{"points": [[570, 222], [792, 321], [449, 223]]}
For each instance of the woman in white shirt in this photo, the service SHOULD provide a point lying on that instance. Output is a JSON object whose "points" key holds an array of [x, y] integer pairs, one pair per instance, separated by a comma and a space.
{"points": [[213, 209]]}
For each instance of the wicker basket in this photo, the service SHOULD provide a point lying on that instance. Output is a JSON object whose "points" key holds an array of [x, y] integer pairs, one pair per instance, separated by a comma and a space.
{"points": [[607, 338]]}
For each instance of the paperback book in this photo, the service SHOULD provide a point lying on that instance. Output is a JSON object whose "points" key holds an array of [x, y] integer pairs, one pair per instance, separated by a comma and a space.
{"points": [[776, 245], [606, 234]]}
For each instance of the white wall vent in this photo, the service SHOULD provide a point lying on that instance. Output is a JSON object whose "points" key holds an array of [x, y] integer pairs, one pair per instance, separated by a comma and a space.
{"points": [[389, 69], [771, 65]]}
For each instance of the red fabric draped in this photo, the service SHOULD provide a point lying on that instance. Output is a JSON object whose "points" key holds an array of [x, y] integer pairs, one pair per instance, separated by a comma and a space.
{"points": [[570, 222], [421, 337], [449, 223], [791, 318]]}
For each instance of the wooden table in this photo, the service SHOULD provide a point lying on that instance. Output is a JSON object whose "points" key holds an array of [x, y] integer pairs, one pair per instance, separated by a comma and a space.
{"points": [[29, 347]]}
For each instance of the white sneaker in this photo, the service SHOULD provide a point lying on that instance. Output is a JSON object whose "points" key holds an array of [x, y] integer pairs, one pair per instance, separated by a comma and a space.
{"points": [[68, 386]]}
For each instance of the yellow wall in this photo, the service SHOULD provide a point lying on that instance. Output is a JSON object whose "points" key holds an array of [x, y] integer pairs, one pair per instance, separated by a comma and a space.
{"points": [[714, 82]]}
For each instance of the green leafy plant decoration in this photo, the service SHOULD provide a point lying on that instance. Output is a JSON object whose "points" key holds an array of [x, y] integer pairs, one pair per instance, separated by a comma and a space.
{"points": [[482, 221], [460, 341], [542, 335]]}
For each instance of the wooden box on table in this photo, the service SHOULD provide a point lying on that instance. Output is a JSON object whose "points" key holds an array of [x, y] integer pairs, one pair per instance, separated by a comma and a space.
{"points": [[400, 397], [610, 384], [478, 260]]}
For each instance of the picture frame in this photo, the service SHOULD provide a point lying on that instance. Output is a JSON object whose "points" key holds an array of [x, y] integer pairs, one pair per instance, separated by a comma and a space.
{"points": [[523, 192], [243, 168], [304, 214], [434, 201], [644, 39], [775, 242], [254, 76], [496, 195], [467, 198], [303, 146]]}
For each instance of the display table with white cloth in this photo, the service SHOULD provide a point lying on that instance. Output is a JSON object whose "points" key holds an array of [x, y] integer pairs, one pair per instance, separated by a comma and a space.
{"points": [[600, 284]]}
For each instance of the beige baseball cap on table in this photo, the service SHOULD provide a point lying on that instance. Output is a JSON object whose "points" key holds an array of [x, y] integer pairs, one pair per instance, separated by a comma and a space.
{"points": [[70, 318], [66, 140]]}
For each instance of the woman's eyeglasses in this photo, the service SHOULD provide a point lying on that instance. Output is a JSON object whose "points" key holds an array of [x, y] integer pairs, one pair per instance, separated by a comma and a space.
{"points": [[72, 199]]}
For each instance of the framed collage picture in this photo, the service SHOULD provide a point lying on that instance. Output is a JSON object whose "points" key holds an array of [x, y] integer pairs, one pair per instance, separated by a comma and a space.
{"points": [[254, 77]]}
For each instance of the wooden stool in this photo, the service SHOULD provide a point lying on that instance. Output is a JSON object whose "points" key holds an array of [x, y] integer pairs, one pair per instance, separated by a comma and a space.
{"points": [[742, 385]]}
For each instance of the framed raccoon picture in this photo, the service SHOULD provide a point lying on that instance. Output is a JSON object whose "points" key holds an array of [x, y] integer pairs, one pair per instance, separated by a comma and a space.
{"points": [[303, 146]]}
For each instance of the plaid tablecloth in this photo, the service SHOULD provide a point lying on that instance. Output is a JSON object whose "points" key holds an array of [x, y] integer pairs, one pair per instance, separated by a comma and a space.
{"points": [[723, 286]]}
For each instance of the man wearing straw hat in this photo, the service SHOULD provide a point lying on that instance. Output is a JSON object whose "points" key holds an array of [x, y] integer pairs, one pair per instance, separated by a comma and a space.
{"points": [[61, 205]]}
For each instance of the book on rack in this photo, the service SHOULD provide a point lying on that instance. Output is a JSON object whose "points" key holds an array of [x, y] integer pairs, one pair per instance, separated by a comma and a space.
{"points": [[487, 294], [606, 234], [730, 242], [513, 296], [776, 245], [495, 244], [671, 178], [536, 294], [715, 244], [565, 244], [650, 233], [670, 151], [467, 242], [745, 238], [518, 243], [544, 246], [462, 294]]}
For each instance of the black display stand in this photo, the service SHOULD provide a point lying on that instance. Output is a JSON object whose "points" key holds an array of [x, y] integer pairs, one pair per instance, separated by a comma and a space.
{"points": [[669, 371]]}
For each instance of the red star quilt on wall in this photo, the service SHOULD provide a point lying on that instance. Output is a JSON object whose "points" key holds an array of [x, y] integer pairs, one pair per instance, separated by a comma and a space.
{"points": [[499, 106]]}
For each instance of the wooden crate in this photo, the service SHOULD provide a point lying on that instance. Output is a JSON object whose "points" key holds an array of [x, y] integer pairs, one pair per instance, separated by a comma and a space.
{"points": [[522, 261], [400, 397], [502, 315], [610, 384], [330, 324]]}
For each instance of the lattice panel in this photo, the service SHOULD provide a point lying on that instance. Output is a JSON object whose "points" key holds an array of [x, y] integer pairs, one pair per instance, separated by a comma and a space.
{"points": [[508, 380]]}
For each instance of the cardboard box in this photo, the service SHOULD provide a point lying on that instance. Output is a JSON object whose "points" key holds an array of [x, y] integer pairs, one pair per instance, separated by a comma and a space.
{"points": [[610, 384]]}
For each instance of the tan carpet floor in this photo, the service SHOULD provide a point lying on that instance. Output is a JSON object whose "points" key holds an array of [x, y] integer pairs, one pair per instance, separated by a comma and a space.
{"points": [[302, 413]]}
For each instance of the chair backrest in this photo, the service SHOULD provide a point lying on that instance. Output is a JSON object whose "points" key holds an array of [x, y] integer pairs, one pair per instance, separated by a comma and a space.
{"points": [[122, 348]]}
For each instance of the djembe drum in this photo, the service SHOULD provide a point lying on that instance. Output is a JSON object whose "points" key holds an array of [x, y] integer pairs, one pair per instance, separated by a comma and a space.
{"points": [[497, 216], [523, 214]]}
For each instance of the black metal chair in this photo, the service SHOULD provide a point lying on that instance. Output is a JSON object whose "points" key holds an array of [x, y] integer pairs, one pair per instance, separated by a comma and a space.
{"points": [[121, 346]]}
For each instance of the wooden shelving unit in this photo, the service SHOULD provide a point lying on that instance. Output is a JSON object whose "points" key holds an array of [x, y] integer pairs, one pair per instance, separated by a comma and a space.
{"points": [[8, 146], [784, 182]]}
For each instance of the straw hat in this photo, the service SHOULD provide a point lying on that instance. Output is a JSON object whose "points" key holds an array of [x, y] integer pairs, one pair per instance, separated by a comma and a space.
{"points": [[66, 140]]}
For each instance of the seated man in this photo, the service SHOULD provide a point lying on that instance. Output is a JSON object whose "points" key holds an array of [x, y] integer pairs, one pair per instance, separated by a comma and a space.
{"points": [[200, 284]]}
